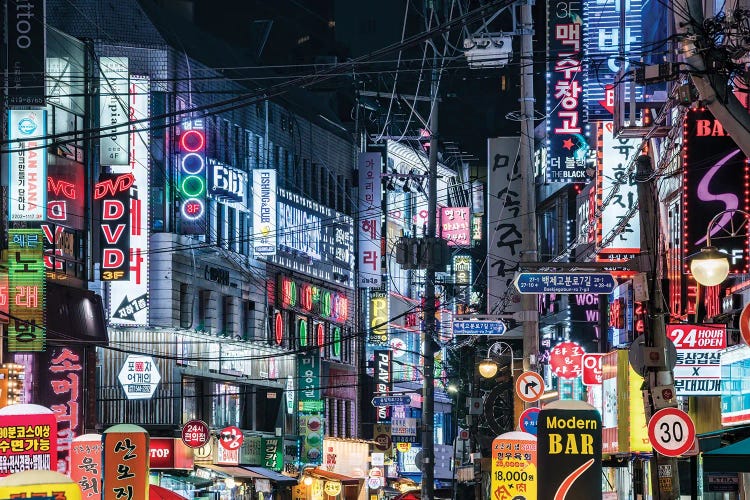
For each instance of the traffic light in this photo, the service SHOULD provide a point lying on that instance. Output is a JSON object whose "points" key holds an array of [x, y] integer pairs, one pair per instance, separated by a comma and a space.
{"points": [[191, 182]]}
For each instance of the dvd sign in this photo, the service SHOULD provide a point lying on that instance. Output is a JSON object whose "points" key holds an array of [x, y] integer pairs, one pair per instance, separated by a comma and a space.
{"points": [[112, 193]]}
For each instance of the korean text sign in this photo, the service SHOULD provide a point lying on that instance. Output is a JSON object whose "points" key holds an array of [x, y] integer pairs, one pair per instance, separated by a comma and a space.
{"points": [[26, 290], [126, 463], [86, 454], [28, 439]]}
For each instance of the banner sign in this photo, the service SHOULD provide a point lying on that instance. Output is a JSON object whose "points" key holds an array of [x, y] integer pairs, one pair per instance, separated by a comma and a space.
{"points": [[114, 139], [369, 224], [27, 164], [28, 439], [569, 451], [86, 465], [264, 212], [311, 432], [617, 155], [26, 290], [191, 177], [383, 382], [567, 147], [379, 317], [112, 195], [309, 382], [514, 466], [128, 298], [26, 31], [314, 239], [61, 388], [504, 231], [612, 29], [698, 368], [712, 166], [126, 462], [455, 226], [272, 449]]}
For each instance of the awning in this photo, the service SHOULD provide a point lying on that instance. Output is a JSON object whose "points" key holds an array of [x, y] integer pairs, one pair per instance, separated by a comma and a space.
{"points": [[333, 476], [196, 481], [271, 474], [732, 458], [232, 471]]}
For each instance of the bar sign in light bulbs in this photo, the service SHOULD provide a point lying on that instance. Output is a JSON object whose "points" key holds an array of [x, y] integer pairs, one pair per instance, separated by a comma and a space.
{"points": [[192, 177]]}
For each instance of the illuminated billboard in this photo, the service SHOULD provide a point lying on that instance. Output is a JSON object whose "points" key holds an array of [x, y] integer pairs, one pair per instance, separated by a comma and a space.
{"points": [[455, 226], [191, 175], [620, 227], [128, 298], [264, 212], [613, 37], [112, 196], [567, 147], [369, 225], [714, 180], [26, 290], [27, 164], [113, 111], [227, 185]]}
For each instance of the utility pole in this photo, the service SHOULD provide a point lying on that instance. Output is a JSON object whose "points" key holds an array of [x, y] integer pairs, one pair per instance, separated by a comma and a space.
{"points": [[528, 194], [429, 333], [665, 481]]}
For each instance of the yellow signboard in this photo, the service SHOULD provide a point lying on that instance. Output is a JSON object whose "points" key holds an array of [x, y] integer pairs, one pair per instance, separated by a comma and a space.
{"points": [[514, 462], [631, 418], [39, 483]]}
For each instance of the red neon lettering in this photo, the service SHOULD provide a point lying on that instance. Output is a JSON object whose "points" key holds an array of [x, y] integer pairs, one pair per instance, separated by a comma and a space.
{"points": [[57, 210], [112, 258], [110, 236], [113, 186], [112, 209], [57, 187]]}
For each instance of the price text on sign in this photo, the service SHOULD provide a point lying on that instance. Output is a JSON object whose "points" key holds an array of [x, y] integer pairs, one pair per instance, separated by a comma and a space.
{"points": [[671, 432]]}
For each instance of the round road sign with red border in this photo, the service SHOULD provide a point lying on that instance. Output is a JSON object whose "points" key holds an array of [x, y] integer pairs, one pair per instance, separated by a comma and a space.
{"points": [[529, 386], [671, 432], [231, 438], [196, 434], [527, 421]]}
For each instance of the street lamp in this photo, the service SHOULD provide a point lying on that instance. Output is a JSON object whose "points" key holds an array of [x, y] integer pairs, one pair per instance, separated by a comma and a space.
{"points": [[488, 366], [710, 266]]}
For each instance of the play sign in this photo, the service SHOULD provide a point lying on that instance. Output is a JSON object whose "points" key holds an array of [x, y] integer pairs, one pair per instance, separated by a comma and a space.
{"points": [[592, 368]]}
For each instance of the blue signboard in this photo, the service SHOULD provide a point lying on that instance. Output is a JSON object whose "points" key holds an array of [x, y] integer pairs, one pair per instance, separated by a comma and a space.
{"points": [[529, 419], [612, 27], [478, 327], [391, 400], [573, 283]]}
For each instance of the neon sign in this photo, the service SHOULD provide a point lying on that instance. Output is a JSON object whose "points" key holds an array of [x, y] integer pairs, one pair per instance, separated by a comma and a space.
{"points": [[113, 196], [192, 177], [313, 299]]}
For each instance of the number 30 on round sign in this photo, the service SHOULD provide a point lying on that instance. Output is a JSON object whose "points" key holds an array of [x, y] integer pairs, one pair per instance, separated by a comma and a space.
{"points": [[671, 432]]}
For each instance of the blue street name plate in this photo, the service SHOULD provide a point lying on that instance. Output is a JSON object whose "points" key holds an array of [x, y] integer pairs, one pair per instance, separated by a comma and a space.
{"points": [[574, 283], [478, 327], [391, 400]]}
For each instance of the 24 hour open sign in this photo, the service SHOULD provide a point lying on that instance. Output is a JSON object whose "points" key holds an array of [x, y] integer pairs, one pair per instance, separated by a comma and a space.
{"points": [[698, 367]]}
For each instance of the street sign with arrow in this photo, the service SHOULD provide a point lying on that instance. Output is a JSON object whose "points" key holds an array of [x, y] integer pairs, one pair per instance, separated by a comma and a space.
{"points": [[128, 308], [529, 386]]}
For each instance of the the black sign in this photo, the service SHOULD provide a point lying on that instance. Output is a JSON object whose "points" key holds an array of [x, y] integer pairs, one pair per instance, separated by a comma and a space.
{"points": [[714, 167], [26, 46], [569, 452]]}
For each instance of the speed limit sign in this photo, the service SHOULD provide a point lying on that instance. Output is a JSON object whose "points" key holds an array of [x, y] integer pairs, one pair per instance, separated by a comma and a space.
{"points": [[671, 432]]}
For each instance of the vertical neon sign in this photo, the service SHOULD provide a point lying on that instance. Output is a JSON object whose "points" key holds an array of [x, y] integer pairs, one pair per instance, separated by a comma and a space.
{"points": [[191, 182]]}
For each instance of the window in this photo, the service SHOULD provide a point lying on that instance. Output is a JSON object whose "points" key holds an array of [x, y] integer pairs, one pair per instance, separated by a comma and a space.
{"points": [[243, 237], [232, 239], [186, 306], [227, 315], [225, 405], [204, 299], [189, 399]]}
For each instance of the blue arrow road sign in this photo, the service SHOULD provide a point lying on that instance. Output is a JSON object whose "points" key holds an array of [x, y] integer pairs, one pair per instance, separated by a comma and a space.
{"points": [[391, 400], [575, 283], [478, 327]]}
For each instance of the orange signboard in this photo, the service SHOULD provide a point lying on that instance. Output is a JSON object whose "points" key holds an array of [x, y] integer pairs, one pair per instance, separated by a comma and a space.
{"points": [[86, 453], [514, 462], [126, 462]]}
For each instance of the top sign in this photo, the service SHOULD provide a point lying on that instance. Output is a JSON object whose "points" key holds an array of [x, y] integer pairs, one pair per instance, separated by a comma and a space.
{"points": [[573, 283]]}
